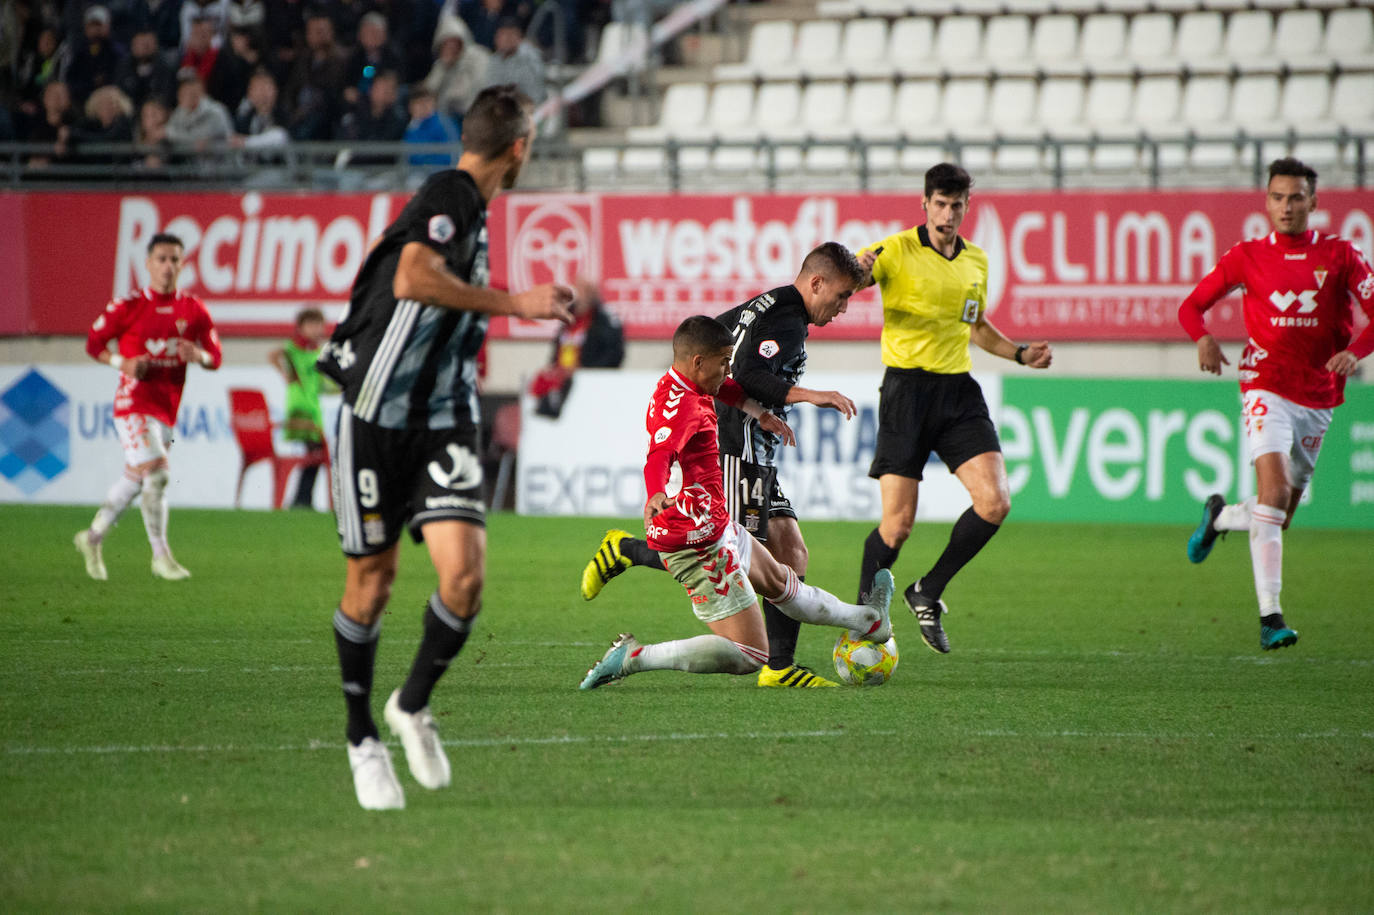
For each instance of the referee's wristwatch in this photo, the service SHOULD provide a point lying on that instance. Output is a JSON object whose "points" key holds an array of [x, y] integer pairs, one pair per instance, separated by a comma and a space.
{"points": [[1020, 349]]}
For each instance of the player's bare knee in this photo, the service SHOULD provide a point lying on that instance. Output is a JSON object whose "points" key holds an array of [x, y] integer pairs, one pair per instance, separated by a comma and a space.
{"points": [[995, 510], [462, 592], [895, 531]]}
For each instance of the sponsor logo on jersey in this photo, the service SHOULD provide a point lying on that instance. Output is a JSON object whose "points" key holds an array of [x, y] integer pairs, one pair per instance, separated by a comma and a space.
{"points": [[1284, 300], [1366, 288], [769, 348], [662, 434], [465, 473], [655, 532], [436, 502], [441, 228], [695, 502], [1295, 257]]}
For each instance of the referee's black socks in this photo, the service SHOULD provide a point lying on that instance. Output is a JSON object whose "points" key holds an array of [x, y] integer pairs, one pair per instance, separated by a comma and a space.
{"points": [[877, 555], [970, 534]]}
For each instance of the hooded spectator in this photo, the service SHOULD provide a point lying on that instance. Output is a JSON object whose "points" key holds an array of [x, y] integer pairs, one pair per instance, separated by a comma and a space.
{"points": [[145, 72], [459, 67]]}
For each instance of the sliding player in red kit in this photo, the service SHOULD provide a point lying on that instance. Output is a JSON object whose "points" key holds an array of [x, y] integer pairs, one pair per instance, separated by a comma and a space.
{"points": [[711, 555], [1300, 286], [157, 332]]}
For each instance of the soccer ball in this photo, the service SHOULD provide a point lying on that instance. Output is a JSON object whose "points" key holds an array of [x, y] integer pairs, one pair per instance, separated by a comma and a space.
{"points": [[863, 663]]}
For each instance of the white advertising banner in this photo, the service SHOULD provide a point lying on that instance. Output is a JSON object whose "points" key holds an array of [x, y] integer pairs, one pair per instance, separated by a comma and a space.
{"points": [[58, 442], [590, 461]]}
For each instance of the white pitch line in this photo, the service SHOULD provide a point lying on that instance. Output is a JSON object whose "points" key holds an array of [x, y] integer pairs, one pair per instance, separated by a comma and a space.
{"points": [[570, 739]]}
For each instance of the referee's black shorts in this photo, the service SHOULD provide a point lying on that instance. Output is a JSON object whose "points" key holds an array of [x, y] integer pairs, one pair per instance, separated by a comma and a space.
{"points": [[920, 412]]}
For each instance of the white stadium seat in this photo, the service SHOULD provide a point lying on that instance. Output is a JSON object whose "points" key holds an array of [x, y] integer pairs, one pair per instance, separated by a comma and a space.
{"points": [[1150, 39], [916, 117], [870, 108], [1006, 48], [958, 39], [911, 45], [817, 52], [777, 113], [1298, 40], [1206, 102], [963, 110], [1201, 38], [1055, 39], [1250, 42], [1102, 47], [1352, 101], [770, 46], [1350, 38], [822, 118], [863, 50], [1011, 113]]}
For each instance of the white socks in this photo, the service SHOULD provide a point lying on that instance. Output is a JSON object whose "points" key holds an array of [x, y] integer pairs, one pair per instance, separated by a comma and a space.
{"points": [[116, 500], [702, 654], [812, 605], [154, 506], [1266, 555], [1235, 517]]}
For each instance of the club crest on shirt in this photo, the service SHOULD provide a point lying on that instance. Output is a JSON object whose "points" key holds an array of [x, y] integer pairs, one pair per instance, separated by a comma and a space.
{"points": [[1320, 274], [768, 349], [441, 228]]}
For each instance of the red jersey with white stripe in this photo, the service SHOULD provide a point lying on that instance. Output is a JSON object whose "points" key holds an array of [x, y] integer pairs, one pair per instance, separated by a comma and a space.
{"points": [[1299, 300], [149, 323], [684, 463]]}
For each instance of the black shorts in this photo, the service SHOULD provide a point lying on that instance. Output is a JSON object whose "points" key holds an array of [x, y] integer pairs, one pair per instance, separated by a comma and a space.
{"points": [[753, 495], [387, 480], [920, 412]]}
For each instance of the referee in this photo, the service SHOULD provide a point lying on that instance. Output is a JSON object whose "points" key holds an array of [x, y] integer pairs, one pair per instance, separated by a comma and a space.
{"points": [[934, 288], [407, 457]]}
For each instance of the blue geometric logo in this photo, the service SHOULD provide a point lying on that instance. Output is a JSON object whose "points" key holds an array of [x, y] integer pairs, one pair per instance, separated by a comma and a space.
{"points": [[34, 420]]}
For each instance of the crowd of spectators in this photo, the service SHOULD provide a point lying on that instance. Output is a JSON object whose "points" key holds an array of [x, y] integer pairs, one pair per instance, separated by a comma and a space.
{"points": [[240, 77]]}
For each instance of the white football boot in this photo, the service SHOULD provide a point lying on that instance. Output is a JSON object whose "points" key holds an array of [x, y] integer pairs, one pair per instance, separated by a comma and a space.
{"points": [[420, 737], [90, 549], [167, 568], [373, 777]]}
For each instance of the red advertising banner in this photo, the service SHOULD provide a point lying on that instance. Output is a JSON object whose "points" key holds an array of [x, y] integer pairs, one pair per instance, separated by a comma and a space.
{"points": [[1064, 266]]}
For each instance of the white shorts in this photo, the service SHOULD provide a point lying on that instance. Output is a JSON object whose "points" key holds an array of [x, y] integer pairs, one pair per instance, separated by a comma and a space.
{"points": [[1274, 424], [143, 438], [716, 576]]}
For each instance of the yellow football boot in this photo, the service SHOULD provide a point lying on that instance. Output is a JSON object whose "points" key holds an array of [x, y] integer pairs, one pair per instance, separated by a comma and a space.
{"points": [[605, 565], [794, 676]]}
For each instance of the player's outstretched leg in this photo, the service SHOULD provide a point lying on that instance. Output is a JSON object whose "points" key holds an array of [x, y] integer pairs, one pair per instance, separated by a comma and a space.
{"points": [[928, 613], [702, 654], [810, 604], [89, 549], [374, 779], [611, 667], [1205, 536]]}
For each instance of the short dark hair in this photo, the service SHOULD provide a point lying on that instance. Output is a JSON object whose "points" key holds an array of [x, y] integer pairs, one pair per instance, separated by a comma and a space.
{"points": [[700, 335], [1294, 168], [164, 238], [309, 314], [498, 117], [947, 178], [833, 259]]}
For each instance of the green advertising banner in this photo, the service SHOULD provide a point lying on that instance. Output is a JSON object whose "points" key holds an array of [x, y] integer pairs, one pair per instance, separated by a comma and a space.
{"points": [[1082, 449]]}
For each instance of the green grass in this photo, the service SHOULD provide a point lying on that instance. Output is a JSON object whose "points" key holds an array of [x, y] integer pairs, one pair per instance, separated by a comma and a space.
{"points": [[1106, 735]]}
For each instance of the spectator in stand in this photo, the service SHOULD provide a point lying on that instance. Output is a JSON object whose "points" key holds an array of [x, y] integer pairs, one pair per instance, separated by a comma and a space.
{"points": [[212, 10], [53, 126], [516, 61], [145, 73], [483, 17], [150, 136], [245, 14], [109, 119], [162, 17], [378, 118], [260, 122], [594, 340], [429, 125], [198, 120], [235, 65], [316, 82], [284, 26], [95, 60], [410, 29], [201, 47], [373, 54], [36, 70], [459, 68]]}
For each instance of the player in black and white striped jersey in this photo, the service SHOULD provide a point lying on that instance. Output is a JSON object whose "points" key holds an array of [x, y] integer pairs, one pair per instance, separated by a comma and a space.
{"points": [[407, 452]]}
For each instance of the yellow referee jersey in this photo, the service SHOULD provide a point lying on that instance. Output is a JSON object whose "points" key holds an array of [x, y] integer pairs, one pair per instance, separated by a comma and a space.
{"points": [[930, 303]]}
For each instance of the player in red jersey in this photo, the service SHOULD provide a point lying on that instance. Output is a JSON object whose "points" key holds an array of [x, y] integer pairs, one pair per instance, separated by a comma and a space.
{"points": [[1300, 287], [157, 333], [709, 553]]}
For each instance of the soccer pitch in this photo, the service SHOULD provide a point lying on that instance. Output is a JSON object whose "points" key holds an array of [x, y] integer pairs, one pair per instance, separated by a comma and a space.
{"points": [[1105, 736]]}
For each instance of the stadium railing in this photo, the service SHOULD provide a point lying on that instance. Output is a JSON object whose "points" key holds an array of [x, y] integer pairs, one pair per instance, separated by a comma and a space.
{"points": [[769, 164]]}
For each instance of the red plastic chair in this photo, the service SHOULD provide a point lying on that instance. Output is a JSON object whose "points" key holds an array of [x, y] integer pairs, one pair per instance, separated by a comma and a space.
{"points": [[253, 426]]}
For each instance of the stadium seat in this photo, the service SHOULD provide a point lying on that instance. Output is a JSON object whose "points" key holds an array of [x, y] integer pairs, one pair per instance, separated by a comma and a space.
{"points": [[730, 118], [916, 120], [1198, 45], [253, 426], [1350, 38], [1075, 7], [1006, 50], [1150, 43], [682, 116], [963, 110], [1127, 7], [1107, 114], [1250, 42], [910, 47], [770, 46], [1253, 110], [1206, 102], [1304, 101], [817, 53], [1060, 114], [863, 49], [1011, 112], [958, 40], [618, 38], [777, 112], [870, 109], [1055, 39], [1102, 48], [1298, 41], [823, 108]]}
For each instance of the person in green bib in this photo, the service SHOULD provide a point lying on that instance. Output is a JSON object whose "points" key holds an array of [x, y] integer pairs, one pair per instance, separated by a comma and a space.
{"points": [[304, 419]]}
